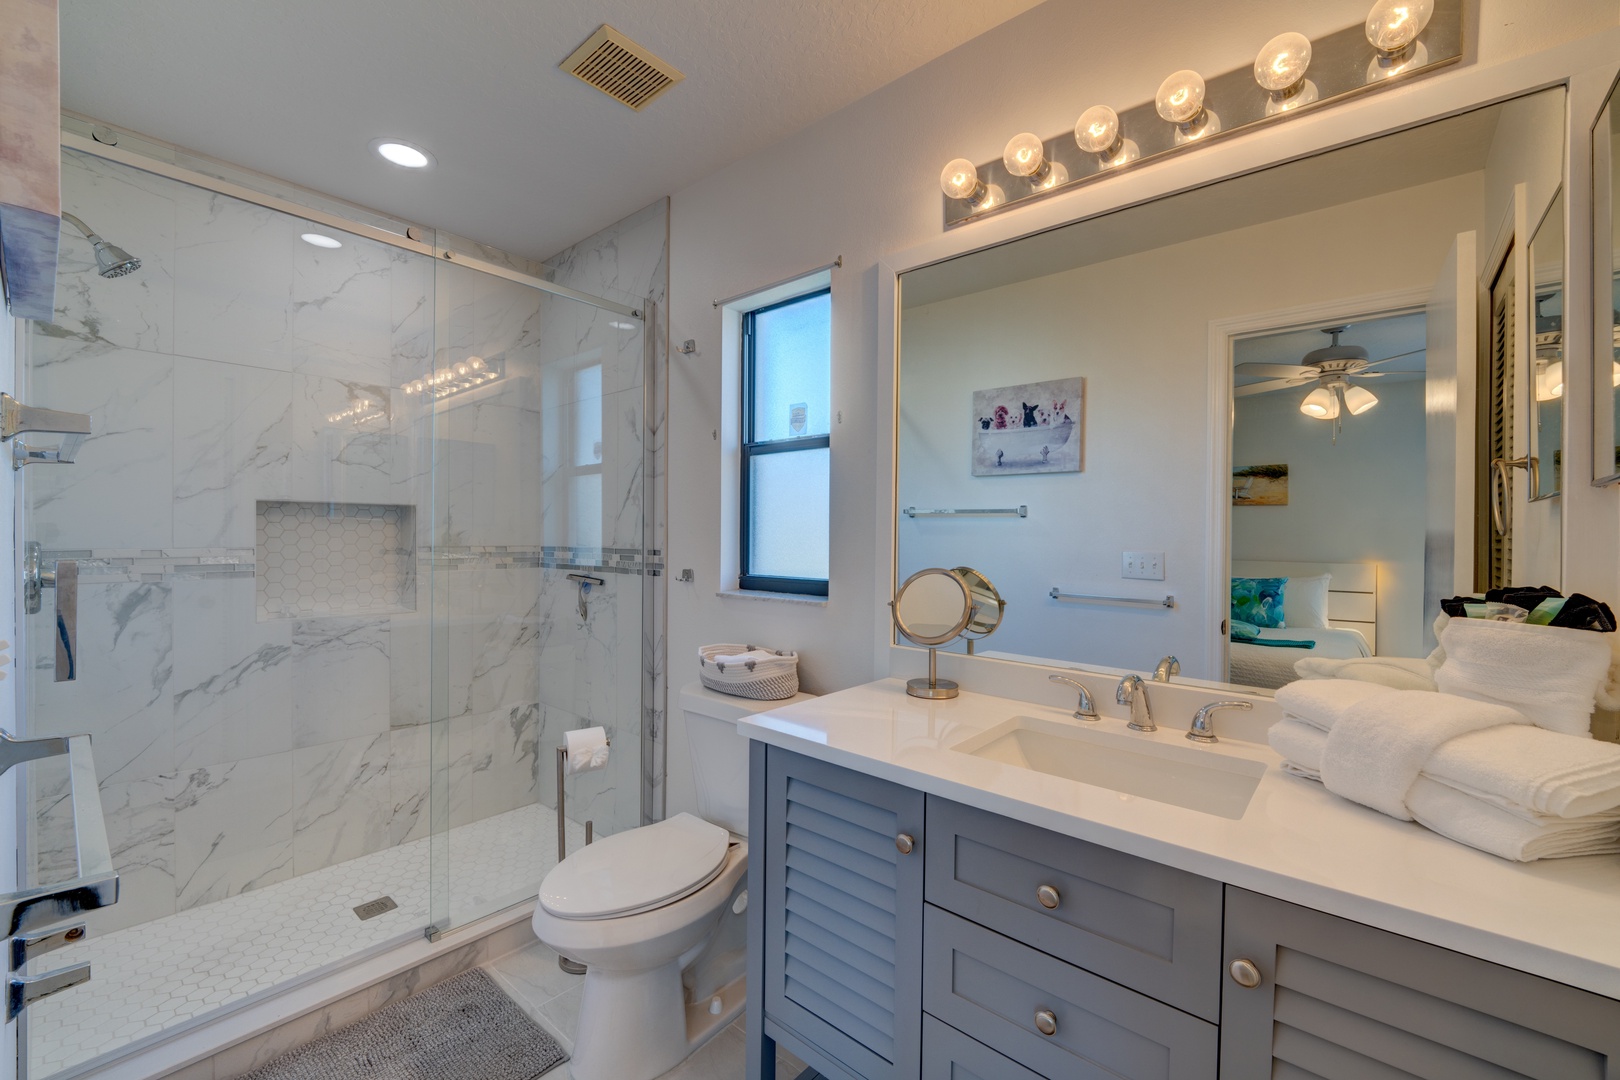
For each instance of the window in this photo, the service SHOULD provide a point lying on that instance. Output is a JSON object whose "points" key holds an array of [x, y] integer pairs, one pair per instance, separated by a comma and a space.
{"points": [[786, 456]]}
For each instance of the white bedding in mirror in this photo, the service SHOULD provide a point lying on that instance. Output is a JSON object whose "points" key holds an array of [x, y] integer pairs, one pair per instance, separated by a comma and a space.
{"points": [[1270, 666]]}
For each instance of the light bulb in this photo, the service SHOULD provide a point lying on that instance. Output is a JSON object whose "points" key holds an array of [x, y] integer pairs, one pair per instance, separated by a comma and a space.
{"points": [[1024, 154], [1097, 130], [476, 363], [1358, 399], [1054, 175], [960, 180], [1281, 64], [1392, 25], [1181, 97], [1320, 404], [463, 370]]}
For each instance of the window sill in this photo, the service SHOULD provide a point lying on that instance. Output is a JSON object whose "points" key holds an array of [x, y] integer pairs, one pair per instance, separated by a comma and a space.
{"points": [[775, 597]]}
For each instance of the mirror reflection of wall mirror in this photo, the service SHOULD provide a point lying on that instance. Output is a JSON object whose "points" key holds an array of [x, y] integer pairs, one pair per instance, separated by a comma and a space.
{"points": [[1546, 383], [1285, 375], [1606, 304]]}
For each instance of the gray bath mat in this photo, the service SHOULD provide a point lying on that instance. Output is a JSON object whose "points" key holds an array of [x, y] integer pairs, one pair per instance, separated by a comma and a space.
{"points": [[464, 1028]]}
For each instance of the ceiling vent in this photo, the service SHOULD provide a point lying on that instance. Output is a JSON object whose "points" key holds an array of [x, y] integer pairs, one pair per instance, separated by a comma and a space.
{"points": [[621, 69]]}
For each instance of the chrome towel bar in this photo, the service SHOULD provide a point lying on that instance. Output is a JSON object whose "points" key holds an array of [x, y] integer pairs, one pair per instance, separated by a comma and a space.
{"points": [[1086, 598], [1011, 511]]}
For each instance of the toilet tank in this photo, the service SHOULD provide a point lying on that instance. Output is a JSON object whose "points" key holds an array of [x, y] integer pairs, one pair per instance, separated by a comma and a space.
{"points": [[719, 752]]}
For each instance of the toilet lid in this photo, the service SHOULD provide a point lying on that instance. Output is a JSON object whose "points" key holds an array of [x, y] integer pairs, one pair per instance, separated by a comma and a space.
{"points": [[636, 870]]}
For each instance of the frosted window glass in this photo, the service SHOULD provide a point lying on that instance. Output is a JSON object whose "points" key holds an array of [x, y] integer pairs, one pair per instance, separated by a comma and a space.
{"points": [[585, 510], [587, 410], [787, 514], [792, 365]]}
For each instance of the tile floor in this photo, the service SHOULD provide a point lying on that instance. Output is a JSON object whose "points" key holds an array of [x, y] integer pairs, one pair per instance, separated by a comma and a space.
{"points": [[154, 977], [551, 998]]}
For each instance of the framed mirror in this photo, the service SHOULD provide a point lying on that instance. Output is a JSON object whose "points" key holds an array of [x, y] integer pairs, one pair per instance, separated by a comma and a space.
{"points": [[1546, 374], [1606, 303], [1274, 376]]}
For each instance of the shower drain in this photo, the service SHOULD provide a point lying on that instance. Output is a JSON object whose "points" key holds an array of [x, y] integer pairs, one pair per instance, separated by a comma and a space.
{"points": [[373, 908]]}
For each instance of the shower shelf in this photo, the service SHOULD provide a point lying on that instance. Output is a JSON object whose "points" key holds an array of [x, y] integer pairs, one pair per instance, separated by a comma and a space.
{"points": [[335, 559]]}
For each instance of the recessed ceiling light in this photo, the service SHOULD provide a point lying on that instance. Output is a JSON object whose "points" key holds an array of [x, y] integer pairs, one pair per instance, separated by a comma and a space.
{"points": [[321, 241], [403, 154]]}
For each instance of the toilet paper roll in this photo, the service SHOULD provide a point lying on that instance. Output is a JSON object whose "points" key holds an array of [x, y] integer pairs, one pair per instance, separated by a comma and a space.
{"points": [[587, 749]]}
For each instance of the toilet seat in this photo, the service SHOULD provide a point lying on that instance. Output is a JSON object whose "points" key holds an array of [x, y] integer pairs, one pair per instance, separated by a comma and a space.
{"points": [[636, 870]]}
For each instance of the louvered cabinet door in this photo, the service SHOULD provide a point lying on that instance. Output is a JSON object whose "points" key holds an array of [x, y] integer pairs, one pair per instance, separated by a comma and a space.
{"points": [[1343, 1001], [843, 920]]}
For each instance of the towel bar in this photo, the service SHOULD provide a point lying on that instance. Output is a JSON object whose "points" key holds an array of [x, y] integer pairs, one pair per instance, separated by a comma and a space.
{"points": [[1011, 511], [1086, 598]]}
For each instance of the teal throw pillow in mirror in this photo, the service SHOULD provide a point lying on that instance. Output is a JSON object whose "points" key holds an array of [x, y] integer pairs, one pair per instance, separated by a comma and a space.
{"points": [[1258, 601]]}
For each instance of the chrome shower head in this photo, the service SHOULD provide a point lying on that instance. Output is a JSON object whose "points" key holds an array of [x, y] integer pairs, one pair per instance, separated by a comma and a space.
{"points": [[111, 260]]}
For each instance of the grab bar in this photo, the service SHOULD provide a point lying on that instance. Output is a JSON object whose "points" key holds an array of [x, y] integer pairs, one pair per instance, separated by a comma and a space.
{"points": [[1086, 598], [1012, 511]]}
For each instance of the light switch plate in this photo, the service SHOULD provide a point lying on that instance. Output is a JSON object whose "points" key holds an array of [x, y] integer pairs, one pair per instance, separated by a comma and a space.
{"points": [[1146, 565]]}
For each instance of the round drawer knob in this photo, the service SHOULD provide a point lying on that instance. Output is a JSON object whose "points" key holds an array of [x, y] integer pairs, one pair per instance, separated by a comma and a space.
{"points": [[1045, 1022], [1245, 974], [904, 843], [1048, 896]]}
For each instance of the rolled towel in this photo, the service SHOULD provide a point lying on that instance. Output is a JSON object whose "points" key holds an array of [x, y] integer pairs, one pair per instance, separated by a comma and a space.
{"points": [[743, 658], [1550, 673], [1542, 771], [1323, 702], [1376, 750], [1467, 820]]}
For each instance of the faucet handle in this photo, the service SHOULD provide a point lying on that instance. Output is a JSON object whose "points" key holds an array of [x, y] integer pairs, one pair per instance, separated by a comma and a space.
{"points": [[1203, 724], [1085, 710]]}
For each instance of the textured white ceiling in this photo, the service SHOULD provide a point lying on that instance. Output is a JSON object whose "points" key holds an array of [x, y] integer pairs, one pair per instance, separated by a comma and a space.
{"points": [[530, 159]]}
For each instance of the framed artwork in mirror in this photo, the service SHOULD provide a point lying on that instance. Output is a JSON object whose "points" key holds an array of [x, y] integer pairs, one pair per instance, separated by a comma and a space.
{"points": [[1028, 428]]}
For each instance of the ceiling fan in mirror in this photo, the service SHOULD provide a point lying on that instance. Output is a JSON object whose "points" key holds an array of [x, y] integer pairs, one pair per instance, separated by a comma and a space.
{"points": [[1336, 369]]}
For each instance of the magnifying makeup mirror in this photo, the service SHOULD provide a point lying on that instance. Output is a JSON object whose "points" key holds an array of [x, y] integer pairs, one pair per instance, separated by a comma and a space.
{"points": [[936, 606]]}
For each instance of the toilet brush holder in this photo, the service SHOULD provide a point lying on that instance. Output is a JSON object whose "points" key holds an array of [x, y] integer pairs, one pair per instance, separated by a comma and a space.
{"points": [[572, 967]]}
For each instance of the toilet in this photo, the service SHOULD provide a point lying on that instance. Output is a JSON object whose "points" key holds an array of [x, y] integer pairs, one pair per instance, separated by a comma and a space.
{"points": [[656, 913]]}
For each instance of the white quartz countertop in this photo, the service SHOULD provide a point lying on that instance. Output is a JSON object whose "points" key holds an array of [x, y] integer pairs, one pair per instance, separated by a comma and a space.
{"points": [[1558, 918]]}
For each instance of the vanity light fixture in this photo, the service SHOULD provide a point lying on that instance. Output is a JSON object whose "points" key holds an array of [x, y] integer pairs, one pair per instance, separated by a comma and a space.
{"points": [[402, 154], [1393, 27], [960, 180], [1098, 132], [1025, 155], [320, 240], [1180, 100], [457, 378], [1280, 70]]}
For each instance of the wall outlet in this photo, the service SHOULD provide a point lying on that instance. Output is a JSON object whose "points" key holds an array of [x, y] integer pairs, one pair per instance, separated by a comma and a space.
{"points": [[1147, 565]]}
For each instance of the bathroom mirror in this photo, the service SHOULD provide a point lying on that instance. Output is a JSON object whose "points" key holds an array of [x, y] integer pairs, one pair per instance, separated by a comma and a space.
{"points": [[1546, 382], [988, 607], [1606, 304], [932, 608], [1139, 381]]}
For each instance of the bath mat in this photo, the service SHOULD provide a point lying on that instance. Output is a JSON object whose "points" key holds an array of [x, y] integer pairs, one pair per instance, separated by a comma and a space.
{"points": [[464, 1028]]}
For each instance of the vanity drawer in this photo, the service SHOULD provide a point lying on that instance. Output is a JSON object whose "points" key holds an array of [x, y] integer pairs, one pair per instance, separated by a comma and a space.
{"points": [[1151, 927], [950, 1055], [998, 992]]}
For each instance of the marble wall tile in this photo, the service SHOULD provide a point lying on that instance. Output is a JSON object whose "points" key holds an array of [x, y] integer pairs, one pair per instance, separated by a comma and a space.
{"points": [[410, 669], [122, 695], [140, 827], [118, 493], [233, 679], [342, 308], [234, 827], [409, 782], [233, 282], [511, 746], [343, 804], [340, 679]]}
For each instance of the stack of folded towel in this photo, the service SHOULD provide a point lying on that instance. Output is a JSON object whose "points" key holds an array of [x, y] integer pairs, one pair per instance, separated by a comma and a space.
{"points": [[1477, 772]]}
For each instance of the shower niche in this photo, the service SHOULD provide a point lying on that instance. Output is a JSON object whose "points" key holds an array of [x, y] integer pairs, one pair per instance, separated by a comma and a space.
{"points": [[330, 558]]}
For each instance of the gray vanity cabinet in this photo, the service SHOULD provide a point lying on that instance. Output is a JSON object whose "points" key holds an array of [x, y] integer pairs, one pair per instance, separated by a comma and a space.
{"points": [[843, 879], [1336, 999]]}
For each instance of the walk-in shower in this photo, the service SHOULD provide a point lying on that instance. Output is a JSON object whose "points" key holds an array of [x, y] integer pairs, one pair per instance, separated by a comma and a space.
{"points": [[324, 532]]}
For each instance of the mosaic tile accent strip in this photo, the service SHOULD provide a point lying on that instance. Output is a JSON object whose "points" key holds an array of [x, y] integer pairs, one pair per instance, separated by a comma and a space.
{"points": [[335, 559]]}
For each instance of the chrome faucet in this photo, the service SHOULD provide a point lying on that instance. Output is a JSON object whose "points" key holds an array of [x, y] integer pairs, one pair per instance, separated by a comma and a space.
{"points": [[1203, 724], [1085, 710], [1167, 667], [1132, 692]]}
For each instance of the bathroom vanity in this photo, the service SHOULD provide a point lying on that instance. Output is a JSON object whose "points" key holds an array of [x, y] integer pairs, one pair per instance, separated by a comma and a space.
{"points": [[926, 902]]}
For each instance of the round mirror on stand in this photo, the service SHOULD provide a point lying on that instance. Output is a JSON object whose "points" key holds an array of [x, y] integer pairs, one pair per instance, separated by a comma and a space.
{"points": [[936, 606]]}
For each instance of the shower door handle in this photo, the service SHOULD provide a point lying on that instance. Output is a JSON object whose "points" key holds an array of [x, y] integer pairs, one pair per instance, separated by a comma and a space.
{"points": [[16, 418], [63, 576], [1502, 487]]}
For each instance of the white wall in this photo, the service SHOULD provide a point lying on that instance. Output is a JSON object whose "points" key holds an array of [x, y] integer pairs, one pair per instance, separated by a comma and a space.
{"points": [[862, 183], [1137, 329], [1359, 501]]}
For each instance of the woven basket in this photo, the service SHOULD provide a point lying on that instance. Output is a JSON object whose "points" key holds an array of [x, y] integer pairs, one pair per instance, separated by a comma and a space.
{"points": [[769, 678]]}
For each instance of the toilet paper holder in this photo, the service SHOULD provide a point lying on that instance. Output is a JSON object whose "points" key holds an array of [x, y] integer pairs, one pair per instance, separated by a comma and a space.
{"points": [[572, 967]]}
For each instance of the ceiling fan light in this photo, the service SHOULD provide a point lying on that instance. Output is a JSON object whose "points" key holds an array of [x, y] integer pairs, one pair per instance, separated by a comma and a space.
{"points": [[1358, 399], [1320, 404]]}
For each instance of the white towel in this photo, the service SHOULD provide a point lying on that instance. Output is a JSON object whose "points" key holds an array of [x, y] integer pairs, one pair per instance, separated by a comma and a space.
{"points": [[1376, 750], [1542, 771], [1323, 702], [1395, 672], [1460, 817], [1301, 746], [1550, 673], [743, 658]]}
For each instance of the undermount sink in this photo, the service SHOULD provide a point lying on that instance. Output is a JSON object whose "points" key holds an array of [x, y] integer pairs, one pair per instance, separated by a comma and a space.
{"points": [[1185, 776]]}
